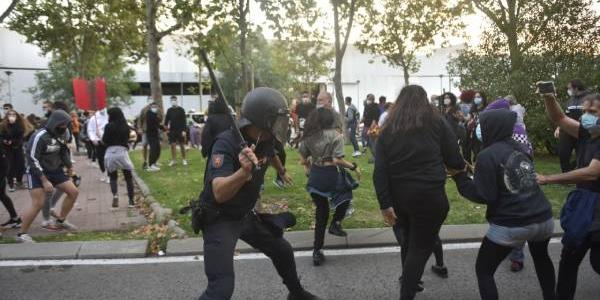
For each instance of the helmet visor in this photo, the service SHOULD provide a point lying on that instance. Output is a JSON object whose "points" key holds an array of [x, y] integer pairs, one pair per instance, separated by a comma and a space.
{"points": [[280, 128]]}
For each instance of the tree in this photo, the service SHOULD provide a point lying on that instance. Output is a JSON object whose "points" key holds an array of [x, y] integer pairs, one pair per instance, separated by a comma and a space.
{"points": [[8, 10], [303, 54], [181, 12], [344, 12], [56, 83], [398, 29], [522, 28], [84, 33]]}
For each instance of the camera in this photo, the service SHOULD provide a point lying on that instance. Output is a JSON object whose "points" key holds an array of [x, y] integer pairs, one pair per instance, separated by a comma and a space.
{"points": [[546, 87]]}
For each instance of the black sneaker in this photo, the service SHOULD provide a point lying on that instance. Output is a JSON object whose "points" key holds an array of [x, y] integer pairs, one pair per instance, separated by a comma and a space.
{"points": [[12, 223], [440, 271], [420, 286], [303, 295], [115, 202], [318, 257], [336, 229]]}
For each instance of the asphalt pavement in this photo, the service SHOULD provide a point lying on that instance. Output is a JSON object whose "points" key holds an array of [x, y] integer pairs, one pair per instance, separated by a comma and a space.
{"points": [[361, 275]]}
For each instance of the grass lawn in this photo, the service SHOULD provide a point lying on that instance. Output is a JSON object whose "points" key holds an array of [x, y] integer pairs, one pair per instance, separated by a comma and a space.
{"points": [[175, 186]]}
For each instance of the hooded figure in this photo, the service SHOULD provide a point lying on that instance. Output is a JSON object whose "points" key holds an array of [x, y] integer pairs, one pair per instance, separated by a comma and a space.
{"points": [[519, 133], [504, 176], [47, 149]]}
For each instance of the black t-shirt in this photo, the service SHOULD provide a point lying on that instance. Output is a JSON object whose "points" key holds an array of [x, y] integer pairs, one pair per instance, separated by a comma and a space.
{"points": [[304, 109], [589, 151], [371, 114], [116, 135], [175, 118], [224, 162]]}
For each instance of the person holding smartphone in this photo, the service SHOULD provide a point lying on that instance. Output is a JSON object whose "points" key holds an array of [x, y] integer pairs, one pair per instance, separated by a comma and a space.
{"points": [[573, 110]]}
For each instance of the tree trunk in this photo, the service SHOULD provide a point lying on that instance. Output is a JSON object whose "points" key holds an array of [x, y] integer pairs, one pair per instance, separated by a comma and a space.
{"points": [[152, 41], [339, 57]]}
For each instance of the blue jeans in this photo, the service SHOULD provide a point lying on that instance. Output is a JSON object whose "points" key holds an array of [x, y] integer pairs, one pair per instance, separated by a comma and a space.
{"points": [[352, 132], [517, 236]]}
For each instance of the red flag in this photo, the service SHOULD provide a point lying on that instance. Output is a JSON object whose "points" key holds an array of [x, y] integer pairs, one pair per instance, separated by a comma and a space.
{"points": [[81, 93], [89, 95], [100, 94]]}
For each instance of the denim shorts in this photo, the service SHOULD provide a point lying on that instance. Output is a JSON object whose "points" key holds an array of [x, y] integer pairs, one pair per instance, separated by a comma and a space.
{"points": [[517, 236]]}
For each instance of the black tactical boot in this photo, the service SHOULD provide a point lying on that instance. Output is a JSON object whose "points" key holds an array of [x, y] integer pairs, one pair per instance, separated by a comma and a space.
{"points": [[336, 229], [318, 257], [302, 295]]}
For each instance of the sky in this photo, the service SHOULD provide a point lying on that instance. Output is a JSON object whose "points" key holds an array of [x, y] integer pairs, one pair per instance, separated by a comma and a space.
{"points": [[475, 24]]}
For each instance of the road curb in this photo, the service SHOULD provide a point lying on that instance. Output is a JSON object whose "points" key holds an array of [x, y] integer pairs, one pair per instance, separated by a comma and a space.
{"points": [[75, 250], [357, 238], [161, 214]]}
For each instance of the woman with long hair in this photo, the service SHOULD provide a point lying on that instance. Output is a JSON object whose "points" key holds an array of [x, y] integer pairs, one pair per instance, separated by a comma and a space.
{"points": [[14, 128], [414, 146], [116, 139], [322, 154]]}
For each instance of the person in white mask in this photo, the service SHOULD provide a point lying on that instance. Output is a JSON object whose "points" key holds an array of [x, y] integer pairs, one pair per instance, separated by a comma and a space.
{"points": [[95, 130]]}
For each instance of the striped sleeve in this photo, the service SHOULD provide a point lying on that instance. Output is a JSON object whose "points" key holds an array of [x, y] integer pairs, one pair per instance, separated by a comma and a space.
{"points": [[34, 151]]}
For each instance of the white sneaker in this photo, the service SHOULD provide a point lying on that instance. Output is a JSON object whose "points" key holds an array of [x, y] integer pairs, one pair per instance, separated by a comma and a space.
{"points": [[24, 238], [172, 163], [184, 162], [356, 154], [107, 179], [66, 225], [103, 179], [153, 168]]}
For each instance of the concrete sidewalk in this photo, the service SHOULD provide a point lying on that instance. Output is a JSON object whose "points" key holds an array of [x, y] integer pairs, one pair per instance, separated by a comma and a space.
{"points": [[92, 211]]}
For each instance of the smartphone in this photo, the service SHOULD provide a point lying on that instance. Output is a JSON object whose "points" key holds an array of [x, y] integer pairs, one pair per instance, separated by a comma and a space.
{"points": [[546, 87]]}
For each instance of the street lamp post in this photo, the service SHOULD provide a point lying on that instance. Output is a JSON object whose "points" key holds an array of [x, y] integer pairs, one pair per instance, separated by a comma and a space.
{"points": [[8, 73]]}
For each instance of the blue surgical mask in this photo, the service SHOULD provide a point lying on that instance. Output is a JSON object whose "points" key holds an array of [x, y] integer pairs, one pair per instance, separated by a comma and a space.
{"points": [[478, 101], [478, 132], [588, 120]]}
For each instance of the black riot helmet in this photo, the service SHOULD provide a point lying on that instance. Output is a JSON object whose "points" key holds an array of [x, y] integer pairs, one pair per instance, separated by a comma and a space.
{"points": [[266, 109]]}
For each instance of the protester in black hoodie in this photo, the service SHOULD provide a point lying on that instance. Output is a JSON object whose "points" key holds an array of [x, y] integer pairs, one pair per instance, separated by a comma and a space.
{"points": [[116, 139], [153, 129], [409, 177], [517, 209], [218, 120]]}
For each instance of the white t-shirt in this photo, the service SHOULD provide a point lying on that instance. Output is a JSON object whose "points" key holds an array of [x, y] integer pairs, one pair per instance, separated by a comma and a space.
{"points": [[382, 118]]}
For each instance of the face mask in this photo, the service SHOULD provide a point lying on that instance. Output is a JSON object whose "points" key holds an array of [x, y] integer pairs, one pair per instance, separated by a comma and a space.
{"points": [[60, 130], [447, 102], [154, 110], [478, 133], [12, 119], [588, 120], [319, 105], [305, 100], [173, 103], [570, 92], [478, 101]]}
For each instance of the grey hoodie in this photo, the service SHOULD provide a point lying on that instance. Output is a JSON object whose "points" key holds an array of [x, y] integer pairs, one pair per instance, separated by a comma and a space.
{"points": [[47, 150]]}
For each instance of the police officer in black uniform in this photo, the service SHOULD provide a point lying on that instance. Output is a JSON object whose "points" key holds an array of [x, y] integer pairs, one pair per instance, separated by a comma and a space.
{"points": [[232, 184]]}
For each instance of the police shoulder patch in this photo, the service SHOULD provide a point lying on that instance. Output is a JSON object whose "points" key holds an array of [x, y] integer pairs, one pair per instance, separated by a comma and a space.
{"points": [[217, 160]]}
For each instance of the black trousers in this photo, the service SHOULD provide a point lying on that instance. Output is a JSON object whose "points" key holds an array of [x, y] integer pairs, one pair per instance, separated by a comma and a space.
{"points": [[114, 177], [16, 162], [491, 255], [421, 213], [100, 152], [322, 215], [566, 145], [569, 267], [220, 239], [6, 201], [438, 252], [91, 151], [154, 144]]}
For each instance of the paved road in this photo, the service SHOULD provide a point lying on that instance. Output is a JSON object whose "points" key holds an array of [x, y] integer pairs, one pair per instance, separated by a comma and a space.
{"points": [[363, 276]]}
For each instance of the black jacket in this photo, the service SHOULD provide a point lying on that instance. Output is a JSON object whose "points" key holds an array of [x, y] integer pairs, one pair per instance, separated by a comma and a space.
{"points": [[152, 124], [116, 135], [574, 107], [414, 159], [508, 204], [215, 124], [371, 114], [47, 150]]}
